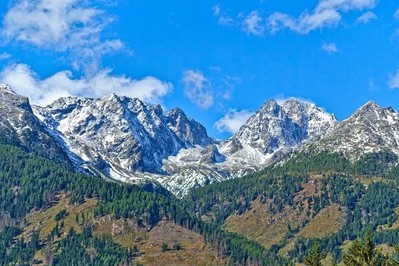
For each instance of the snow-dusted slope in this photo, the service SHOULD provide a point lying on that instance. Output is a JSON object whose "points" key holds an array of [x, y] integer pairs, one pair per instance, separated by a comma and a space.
{"points": [[370, 129], [278, 126], [19, 126], [267, 136], [121, 136]]}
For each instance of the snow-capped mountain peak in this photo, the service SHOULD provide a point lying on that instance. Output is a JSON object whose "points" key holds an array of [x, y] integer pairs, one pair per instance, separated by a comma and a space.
{"points": [[6, 88], [370, 129], [271, 132], [117, 133], [284, 125]]}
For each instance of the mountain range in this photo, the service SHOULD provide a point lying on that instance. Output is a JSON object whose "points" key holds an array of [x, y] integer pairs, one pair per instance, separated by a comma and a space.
{"points": [[125, 139]]}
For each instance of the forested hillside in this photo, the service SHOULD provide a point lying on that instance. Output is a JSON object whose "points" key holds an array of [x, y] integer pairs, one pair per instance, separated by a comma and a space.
{"points": [[310, 199], [33, 184], [269, 218]]}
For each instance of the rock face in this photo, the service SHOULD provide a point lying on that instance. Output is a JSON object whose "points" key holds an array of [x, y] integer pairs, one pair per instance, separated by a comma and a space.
{"points": [[121, 134], [370, 129], [268, 135], [19, 126], [278, 126], [187, 130]]}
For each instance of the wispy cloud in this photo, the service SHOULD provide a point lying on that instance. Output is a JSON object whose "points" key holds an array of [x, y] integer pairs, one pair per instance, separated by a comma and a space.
{"points": [[330, 48], [327, 13], [69, 26], [366, 18], [393, 82], [396, 15], [44, 91], [253, 24], [223, 19], [198, 88], [232, 121], [5, 56]]}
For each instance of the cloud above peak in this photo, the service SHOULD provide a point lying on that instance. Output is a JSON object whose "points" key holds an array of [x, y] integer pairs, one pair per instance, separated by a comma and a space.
{"points": [[67, 26], [26, 82], [198, 88], [232, 121], [393, 82]]}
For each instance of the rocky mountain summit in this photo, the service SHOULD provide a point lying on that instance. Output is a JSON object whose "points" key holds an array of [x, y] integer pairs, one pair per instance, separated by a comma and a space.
{"points": [[19, 126], [273, 131], [120, 134], [371, 129]]}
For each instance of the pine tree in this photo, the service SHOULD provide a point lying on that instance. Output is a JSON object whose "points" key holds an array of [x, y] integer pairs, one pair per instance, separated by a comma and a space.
{"points": [[364, 253], [314, 257]]}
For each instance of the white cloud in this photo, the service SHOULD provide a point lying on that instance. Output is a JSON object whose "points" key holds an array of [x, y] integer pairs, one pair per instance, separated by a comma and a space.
{"points": [[216, 10], [5, 56], [396, 15], [330, 48], [393, 82], [222, 18], [366, 17], [233, 120], [71, 26], [327, 13], [253, 24], [44, 91], [197, 88]]}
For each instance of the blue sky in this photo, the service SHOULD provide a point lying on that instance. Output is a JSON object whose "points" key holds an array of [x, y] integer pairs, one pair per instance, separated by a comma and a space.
{"points": [[217, 60]]}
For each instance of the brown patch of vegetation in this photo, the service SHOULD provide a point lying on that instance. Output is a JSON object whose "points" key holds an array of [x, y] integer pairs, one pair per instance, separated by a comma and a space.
{"points": [[44, 220], [298, 220], [268, 228], [328, 221], [193, 250]]}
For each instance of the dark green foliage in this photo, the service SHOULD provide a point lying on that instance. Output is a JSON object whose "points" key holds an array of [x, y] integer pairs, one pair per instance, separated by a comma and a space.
{"points": [[314, 257], [29, 182], [393, 174], [375, 163], [366, 253], [83, 249], [316, 163], [327, 163], [61, 215], [225, 198], [177, 247], [164, 247], [16, 252], [365, 208]]}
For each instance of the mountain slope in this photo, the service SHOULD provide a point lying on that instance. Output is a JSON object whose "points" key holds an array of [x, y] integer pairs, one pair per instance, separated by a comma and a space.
{"points": [[371, 129], [19, 126], [119, 135], [278, 126], [266, 137]]}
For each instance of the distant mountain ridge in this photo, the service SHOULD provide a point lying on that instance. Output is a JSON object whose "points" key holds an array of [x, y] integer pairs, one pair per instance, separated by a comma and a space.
{"points": [[127, 140]]}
